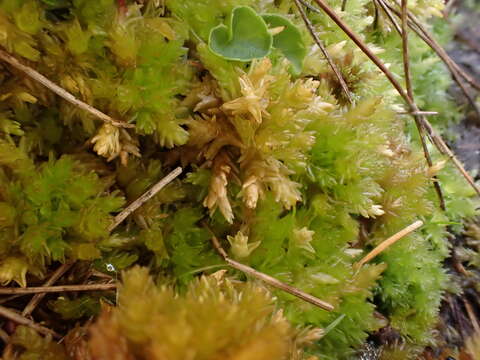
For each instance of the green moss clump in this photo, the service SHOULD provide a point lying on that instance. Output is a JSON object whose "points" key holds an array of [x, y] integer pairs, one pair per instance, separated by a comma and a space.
{"points": [[296, 182]]}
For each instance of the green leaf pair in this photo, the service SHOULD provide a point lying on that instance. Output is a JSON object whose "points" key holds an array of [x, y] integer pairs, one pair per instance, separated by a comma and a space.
{"points": [[248, 37]]}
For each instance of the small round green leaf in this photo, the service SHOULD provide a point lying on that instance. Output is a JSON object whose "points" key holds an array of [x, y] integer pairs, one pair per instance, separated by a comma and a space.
{"points": [[289, 41], [246, 39]]}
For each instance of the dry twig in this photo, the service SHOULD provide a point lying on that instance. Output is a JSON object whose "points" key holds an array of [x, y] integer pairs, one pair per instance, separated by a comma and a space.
{"points": [[32, 304], [324, 51], [434, 137], [144, 198], [56, 289], [388, 242], [451, 64], [60, 91], [4, 336], [419, 119], [456, 71], [267, 278], [19, 319]]}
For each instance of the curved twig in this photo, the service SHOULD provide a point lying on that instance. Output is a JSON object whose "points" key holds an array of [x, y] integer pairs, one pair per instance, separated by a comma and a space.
{"points": [[388, 242]]}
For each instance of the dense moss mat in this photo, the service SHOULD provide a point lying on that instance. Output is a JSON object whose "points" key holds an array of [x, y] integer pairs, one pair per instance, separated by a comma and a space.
{"points": [[296, 181]]}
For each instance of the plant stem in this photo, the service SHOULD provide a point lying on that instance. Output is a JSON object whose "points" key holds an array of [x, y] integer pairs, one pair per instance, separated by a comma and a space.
{"points": [[434, 137], [55, 289], [144, 198], [388, 242], [60, 91], [324, 51], [267, 278], [19, 319]]}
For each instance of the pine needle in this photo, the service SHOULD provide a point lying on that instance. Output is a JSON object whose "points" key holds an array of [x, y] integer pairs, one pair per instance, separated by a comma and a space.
{"points": [[388, 242]]}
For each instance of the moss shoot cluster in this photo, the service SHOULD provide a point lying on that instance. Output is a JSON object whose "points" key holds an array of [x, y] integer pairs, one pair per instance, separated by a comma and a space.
{"points": [[295, 180]]}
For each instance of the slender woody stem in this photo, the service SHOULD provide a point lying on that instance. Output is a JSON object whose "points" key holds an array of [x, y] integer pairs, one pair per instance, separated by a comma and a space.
{"points": [[419, 119], [60, 91], [324, 51], [19, 319], [32, 304], [55, 289], [435, 138], [267, 278], [144, 198]]}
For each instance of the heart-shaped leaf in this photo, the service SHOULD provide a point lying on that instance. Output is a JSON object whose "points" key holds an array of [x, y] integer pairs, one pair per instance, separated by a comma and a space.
{"points": [[246, 39], [289, 41]]}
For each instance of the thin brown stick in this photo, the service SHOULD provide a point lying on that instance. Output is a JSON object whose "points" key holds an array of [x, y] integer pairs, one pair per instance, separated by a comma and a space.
{"points": [[19, 319], [389, 242], [60, 91], [310, 7], [436, 139], [55, 289], [324, 51], [32, 304], [417, 113], [472, 316], [441, 51], [269, 279], [9, 298], [144, 198], [406, 60], [455, 70], [428, 38], [387, 11], [280, 285], [419, 119], [4, 336]]}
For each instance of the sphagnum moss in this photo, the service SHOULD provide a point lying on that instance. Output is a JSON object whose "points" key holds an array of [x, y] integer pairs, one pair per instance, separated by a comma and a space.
{"points": [[297, 182]]}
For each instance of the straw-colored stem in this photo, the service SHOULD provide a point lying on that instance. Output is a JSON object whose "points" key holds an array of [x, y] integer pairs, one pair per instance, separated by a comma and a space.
{"points": [[389, 242]]}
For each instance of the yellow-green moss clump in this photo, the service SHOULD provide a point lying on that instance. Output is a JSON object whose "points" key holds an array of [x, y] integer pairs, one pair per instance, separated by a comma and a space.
{"points": [[298, 182]]}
